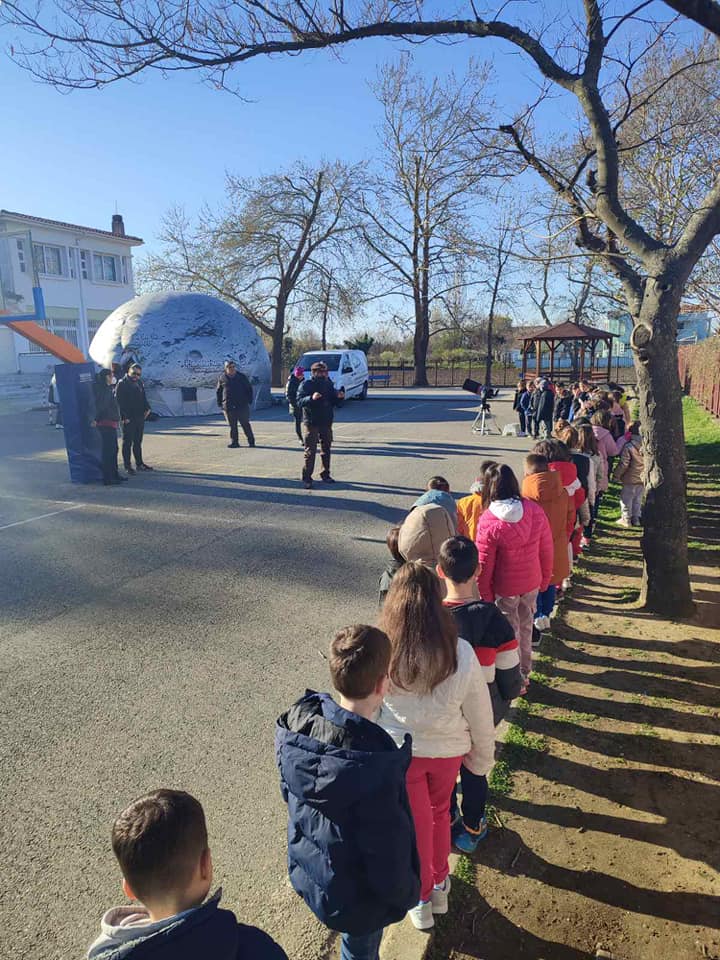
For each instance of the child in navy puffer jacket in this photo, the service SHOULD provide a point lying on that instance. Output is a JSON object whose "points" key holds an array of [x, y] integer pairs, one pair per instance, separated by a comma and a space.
{"points": [[351, 840]]}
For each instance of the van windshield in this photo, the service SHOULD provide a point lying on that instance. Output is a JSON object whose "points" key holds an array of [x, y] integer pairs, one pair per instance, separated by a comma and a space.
{"points": [[331, 360]]}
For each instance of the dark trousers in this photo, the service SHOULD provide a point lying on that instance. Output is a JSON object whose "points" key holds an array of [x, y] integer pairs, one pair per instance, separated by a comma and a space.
{"points": [[297, 413], [108, 461], [521, 419], [132, 440], [364, 946], [311, 435], [239, 415], [546, 601], [536, 426], [474, 798]]}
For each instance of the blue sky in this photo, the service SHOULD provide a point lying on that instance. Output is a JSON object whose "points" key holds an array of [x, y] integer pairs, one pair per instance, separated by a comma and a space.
{"points": [[148, 145]]}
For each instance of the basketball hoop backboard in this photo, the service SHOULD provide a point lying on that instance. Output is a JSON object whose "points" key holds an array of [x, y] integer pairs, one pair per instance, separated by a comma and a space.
{"points": [[20, 292]]}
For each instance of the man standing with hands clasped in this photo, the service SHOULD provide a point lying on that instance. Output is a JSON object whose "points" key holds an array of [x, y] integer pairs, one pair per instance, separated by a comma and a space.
{"points": [[134, 408], [317, 398], [234, 396]]}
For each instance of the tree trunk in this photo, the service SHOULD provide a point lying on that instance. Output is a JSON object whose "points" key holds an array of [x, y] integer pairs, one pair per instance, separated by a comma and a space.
{"points": [[421, 341], [278, 338], [666, 581]]}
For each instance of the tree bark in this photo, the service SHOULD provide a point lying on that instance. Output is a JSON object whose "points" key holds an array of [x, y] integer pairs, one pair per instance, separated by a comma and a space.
{"points": [[421, 341], [666, 581], [278, 337]]}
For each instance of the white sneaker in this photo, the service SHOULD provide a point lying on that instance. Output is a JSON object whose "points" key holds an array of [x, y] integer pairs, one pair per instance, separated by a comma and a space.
{"points": [[422, 915], [622, 523], [439, 896]]}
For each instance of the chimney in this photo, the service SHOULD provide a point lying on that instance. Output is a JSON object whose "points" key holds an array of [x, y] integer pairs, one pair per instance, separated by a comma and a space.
{"points": [[118, 227]]}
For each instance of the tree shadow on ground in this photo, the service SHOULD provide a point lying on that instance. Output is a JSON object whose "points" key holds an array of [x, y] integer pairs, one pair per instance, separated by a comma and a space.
{"points": [[474, 929], [623, 712], [692, 649], [675, 905]]}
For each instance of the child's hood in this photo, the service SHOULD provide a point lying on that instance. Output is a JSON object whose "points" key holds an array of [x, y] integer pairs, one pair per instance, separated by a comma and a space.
{"points": [[331, 758], [440, 498], [511, 511], [122, 929], [423, 532], [543, 487]]}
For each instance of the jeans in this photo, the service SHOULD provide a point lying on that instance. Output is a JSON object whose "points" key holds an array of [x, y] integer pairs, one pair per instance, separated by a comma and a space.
{"points": [[536, 426], [361, 946], [132, 438], [521, 419], [474, 798], [520, 611], [546, 602]]}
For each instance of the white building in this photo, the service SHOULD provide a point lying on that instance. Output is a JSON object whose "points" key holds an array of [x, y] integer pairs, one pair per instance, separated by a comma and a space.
{"points": [[84, 274]]}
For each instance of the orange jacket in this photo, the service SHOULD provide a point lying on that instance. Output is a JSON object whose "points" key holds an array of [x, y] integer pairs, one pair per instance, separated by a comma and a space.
{"points": [[468, 514], [548, 491]]}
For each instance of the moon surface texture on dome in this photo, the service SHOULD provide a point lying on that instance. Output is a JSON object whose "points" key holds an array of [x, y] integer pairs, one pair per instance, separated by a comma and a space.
{"points": [[182, 341]]}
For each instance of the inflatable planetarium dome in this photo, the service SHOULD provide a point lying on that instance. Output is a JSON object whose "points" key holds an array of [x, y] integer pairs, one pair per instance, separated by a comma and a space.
{"points": [[182, 340]]}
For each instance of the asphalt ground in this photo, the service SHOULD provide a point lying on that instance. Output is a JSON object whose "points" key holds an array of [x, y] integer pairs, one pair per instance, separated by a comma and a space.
{"points": [[151, 633]]}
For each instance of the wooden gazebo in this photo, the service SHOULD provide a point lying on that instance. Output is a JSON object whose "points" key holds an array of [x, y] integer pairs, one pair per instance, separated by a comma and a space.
{"points": [[584, 341]]}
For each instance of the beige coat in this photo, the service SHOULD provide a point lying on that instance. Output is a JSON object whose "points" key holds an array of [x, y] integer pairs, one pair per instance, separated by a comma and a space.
{"points": [[424, 530]]}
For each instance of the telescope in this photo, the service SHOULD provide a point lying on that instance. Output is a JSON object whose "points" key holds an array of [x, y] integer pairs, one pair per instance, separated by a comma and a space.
{"points": [[481, 423]]}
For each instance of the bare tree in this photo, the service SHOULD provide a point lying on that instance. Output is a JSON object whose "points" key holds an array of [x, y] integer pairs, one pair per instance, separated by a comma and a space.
{"points": [[435, 156], [265, 250], [497, 251], [91, 42]]}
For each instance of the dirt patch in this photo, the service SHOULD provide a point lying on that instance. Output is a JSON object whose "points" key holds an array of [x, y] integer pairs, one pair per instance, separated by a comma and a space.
{"points": [[609, 835]]}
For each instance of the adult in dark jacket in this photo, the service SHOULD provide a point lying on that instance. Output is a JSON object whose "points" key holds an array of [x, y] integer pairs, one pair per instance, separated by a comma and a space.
{"points": [[134, 408], [107, 417], [352, 855], [297, 376], [544, 402], [317, 398], [235, 395], [521, 401]]}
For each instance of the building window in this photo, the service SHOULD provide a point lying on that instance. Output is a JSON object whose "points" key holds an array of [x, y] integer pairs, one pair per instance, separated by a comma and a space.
{"points": [[105, 268], [48, 259], [22, 263], [125, 270], [71, 263], [85, 264]]}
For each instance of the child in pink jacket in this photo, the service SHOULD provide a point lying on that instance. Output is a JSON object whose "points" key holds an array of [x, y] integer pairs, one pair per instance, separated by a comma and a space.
{"points": [[607, 447], [515, 549]]}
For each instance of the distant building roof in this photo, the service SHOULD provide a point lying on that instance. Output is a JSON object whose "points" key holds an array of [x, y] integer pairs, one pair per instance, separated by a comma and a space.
{"points": [[43, 221], [520, 333]]}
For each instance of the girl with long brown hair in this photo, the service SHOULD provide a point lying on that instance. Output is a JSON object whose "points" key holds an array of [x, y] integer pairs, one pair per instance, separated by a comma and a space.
{"points": [[437, 695]]}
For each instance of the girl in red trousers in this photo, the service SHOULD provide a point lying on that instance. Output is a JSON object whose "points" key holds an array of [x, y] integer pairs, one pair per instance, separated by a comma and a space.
{"points": [[515, 548], [439, 696]]}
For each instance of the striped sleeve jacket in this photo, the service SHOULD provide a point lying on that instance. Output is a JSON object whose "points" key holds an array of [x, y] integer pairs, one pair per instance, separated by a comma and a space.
{"points": [[492, 637]]}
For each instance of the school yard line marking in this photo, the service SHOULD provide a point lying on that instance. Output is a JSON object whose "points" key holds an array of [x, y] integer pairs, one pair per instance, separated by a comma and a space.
{"points": [[43, 516]]}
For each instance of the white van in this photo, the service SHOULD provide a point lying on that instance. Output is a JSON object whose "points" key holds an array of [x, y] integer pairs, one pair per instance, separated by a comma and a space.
{"points": [[346, 368]]}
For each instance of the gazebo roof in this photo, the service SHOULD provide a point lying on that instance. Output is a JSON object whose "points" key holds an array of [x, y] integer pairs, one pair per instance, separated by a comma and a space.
{"points": [[568, 330]]}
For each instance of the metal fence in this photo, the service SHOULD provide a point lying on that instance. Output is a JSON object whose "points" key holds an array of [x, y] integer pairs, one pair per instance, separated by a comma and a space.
{"points": [[506, 373], [699, 368]]}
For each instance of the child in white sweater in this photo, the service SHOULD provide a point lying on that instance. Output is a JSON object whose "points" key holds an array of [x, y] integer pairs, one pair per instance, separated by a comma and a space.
{"points": [[438, 695]]}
